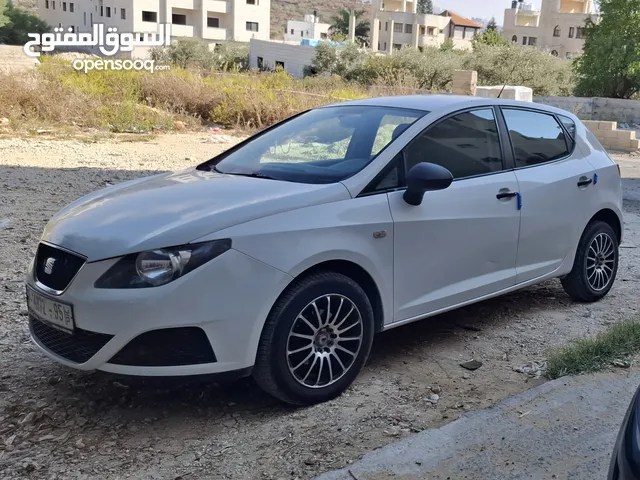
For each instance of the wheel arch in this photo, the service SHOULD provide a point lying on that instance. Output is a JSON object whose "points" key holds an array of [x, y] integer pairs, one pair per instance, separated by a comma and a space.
{"points": [[609, 217]]}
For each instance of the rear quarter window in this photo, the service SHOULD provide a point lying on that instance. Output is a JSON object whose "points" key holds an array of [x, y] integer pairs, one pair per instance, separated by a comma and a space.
{"points": [[570, 127]]}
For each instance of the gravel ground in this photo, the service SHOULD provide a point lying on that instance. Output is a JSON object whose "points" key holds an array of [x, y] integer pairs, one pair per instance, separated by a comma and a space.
{"points": [[59, 423]]}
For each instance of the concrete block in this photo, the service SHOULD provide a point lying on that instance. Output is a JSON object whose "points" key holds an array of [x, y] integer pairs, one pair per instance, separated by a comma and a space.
{"points": [[635, 144], [607, 125], [465, 82], [625, 134], [622, 145], [523, 94], [607, 134]]}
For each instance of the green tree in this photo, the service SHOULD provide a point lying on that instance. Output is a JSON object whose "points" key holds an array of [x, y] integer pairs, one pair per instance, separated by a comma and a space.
{"points": [[3, 17], [490, 36], [340, 25], [447, 46], [610, 64], [16, 24], [492, 25], [425, 6]]}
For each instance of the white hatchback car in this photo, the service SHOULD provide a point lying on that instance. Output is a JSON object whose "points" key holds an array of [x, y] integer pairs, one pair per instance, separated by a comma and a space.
{"points": [[283, 256]]}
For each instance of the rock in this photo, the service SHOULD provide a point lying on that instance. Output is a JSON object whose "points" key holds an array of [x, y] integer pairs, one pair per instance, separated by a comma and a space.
{"points": [[178, 125], [466, 376], [436, 389], [621, 363], [46, 438], [28, 418], [4, 121], [433, 398], [80, 443], [471, 364]]}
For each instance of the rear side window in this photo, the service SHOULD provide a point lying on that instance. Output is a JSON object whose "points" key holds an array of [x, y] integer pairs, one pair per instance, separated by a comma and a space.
{"points": [[466, 144], [570, 126], [536, 137]]}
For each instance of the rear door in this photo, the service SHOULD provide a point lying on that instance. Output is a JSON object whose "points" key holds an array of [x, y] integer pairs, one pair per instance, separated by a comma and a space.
{"points": [[555, 183]]}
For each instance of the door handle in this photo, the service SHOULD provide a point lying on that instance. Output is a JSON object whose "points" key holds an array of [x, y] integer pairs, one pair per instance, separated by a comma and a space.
{"points": [[584, 183], [503, 195]]}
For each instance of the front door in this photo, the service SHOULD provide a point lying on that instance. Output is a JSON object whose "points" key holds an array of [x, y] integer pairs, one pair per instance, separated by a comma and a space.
{"points": [[460, 243]]}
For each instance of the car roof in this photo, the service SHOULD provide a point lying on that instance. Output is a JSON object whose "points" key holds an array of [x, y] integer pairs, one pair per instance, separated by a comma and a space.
{"points": [[430, 103]]}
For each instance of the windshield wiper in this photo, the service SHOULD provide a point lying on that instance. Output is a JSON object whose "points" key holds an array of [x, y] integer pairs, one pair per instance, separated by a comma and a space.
{"points": [[252, 175]]}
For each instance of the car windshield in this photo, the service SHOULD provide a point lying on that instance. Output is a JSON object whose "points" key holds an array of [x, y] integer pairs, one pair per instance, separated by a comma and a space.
{"points": [[324, 145]]}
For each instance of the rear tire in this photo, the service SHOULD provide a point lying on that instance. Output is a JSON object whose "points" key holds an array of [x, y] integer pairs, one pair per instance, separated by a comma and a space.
{"points": [[596, 264], [316, 339]]}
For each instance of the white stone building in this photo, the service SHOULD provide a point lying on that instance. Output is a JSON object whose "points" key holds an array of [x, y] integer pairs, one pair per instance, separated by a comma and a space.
{"points": [[396, 23], [310, 28], [557, 27], [210, 20]]}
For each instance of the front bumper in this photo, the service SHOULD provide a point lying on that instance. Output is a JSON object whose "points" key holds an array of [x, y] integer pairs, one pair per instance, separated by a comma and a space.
{"points": [[207, 322]]}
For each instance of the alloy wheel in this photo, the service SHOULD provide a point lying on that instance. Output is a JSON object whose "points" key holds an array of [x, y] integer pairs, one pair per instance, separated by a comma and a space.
{"points": [[601, 257], [324, 341]]}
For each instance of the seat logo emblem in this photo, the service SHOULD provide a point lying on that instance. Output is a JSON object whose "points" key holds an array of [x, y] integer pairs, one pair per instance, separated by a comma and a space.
{"points": [[380, 234], [48, 265]]}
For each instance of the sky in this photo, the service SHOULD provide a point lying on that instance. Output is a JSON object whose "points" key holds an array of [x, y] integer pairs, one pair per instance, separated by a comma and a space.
{"points": [[479, 8]]}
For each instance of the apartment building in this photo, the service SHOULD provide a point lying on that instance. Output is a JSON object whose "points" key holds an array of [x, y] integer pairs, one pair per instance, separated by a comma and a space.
{"points": [[397, 23], [211, 20], [310, 29], [557, 27]]}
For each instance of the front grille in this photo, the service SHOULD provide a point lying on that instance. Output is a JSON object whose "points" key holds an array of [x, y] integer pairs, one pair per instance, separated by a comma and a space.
{"points": [[56, 268], [77, 347], [167, 347]]}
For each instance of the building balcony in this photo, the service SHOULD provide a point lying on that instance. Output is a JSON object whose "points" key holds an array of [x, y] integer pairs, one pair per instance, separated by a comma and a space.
{"points": [[181, 30], [185, 4], [216, 6], [216, 34]]}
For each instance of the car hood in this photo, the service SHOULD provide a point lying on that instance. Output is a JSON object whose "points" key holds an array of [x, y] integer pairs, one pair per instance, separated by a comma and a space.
{"points": [[173, 209]]}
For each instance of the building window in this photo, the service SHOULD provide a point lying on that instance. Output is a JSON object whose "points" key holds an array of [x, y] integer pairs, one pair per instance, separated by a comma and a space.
{"points": [[64, 6], [292, 31], [408, 28], [252, 26], [557, 31], [53, 4], [397, 27], [213, 22], [71, 9], [386, 26], [533, 41], [514, 39], [279, 65], [109, 12], [46, 3], [524, 40], [260, 63], [432, 31], [101, 11], [571, 30], [554, 53], [149, 16], [252, 2], [178, 19], [397, 46], [84, 15], [324, 36], [123, 14], [580, 32]]}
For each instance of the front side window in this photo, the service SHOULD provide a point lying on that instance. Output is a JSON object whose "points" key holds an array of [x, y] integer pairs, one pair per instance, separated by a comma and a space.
{"points": [[466, 144], [325, 145], [536, 137]]}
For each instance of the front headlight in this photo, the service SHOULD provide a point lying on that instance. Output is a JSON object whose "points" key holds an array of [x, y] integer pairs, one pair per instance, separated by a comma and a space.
{"points": [[159, 267]]}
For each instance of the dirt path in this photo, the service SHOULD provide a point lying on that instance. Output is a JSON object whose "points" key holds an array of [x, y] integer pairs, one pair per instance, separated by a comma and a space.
{"points": [[58, 423]]}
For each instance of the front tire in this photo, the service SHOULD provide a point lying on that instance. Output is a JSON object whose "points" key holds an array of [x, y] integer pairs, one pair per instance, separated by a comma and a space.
{"points": [[596, 264], [316, 339]]}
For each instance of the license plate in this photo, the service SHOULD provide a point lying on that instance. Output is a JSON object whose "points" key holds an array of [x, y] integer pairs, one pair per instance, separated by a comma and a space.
{"points": [[56, 314]]}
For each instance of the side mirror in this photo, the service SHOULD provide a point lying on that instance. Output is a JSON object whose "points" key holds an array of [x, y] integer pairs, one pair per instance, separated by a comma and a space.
{"points": [[425, 177]]}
